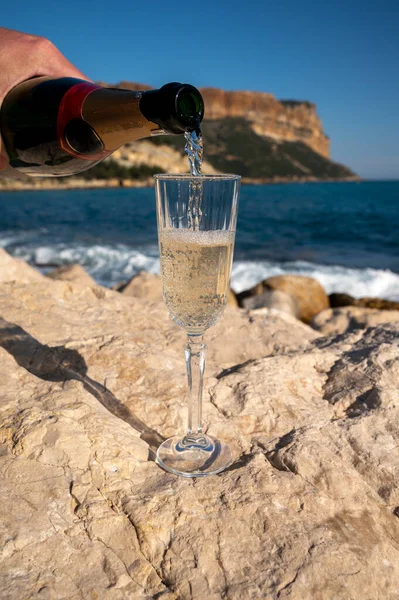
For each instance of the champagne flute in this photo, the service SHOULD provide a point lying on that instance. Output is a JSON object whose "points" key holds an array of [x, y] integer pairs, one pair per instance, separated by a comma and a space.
{"points": [[196, 230]]}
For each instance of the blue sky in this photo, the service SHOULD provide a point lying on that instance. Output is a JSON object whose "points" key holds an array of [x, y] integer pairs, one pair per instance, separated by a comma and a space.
{"points": [[344, 56]]}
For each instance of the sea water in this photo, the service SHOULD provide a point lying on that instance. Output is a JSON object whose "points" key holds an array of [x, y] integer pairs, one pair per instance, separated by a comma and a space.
{"points": [[343, 234]]}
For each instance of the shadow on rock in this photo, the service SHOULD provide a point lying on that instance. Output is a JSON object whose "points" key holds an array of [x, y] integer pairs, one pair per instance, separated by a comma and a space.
{"points": [[57, 363]]}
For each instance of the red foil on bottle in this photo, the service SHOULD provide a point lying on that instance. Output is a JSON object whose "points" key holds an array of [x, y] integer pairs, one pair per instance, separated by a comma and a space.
{"points": [[71, 108]]}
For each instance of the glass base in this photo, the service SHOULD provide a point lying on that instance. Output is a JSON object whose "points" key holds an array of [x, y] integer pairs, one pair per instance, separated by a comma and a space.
{"points": [[193, 455]]}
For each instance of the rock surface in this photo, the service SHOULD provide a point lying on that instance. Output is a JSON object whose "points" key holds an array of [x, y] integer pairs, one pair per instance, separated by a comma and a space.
{"points": [[347, 319], [90, 382], [75, 273], [379, 303], [161, 156], [308, 294], [143, 285], [272, 299], [338, 300], [232, 299], [13, 269], [291, 121]]}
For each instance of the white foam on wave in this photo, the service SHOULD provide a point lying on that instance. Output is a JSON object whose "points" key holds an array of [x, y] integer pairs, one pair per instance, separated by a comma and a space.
{"points": [[13, 237], [107, 264], [376, 283], [111, 264]]}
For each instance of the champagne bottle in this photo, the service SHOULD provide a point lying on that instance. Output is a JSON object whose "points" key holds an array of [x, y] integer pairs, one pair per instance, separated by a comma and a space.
{"points": [[61, 126]]}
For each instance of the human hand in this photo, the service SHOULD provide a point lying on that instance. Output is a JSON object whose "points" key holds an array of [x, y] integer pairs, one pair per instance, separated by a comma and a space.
{"points": [[23, 56]]}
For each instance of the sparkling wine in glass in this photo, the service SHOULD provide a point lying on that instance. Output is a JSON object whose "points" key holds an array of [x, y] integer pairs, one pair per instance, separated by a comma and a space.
{"points": [[196, 230]]}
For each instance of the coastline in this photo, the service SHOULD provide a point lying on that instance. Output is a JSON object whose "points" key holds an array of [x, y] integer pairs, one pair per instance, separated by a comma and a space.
{"points": [[19, 185], [324, 231]]}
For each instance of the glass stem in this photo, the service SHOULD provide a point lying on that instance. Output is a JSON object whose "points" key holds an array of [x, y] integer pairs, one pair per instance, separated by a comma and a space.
{"points": [[194, 352]]}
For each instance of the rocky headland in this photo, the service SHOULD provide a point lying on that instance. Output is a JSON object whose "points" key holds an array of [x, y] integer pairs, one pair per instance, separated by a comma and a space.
{"points": [[93, 379]]}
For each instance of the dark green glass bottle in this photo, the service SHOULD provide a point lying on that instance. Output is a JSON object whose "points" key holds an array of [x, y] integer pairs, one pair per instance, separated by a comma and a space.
{"points": [[56, 127]]}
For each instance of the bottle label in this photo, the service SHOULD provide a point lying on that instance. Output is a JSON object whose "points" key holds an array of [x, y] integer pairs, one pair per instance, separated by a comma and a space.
{"points": [[71, 108]]}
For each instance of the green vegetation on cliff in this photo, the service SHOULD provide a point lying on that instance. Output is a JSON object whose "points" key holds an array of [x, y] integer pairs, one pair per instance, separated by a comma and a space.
{"points": [[231, 145]]}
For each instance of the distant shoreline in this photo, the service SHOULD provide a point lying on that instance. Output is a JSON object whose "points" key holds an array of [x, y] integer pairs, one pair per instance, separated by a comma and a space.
{"points": [[81, 184]]}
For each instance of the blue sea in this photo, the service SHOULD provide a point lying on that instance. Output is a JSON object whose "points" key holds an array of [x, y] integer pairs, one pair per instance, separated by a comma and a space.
{"points": [[346, 235]]}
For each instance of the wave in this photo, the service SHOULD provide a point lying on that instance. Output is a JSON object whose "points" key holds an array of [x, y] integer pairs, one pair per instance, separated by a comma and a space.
{"points": [[110, 264], [107, 264], [377, 283]]}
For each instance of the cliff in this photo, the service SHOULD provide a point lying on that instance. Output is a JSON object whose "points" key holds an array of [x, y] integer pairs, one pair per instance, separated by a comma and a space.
{"points": [[286, 120]]}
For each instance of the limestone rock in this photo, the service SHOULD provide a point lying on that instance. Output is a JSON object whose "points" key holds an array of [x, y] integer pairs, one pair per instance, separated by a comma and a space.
{"points": [[232, 299], [160, 156], [13, 269], [75, 273], [281, 120], [308, 293], [338, 300], [257, 290], [378, 303], [91, 380], [273, 299], [342, 320], [143, 285]]}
